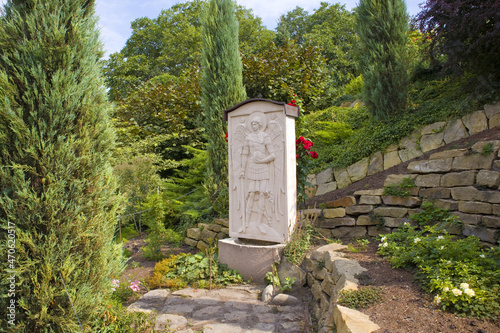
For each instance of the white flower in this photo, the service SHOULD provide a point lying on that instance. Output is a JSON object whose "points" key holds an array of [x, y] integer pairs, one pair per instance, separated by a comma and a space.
{"points": [[442, 247], [406, 223], [385, 244], [440, 237], [437, 299], [482, 255], [448, 262], [464, 285], [446, 289], [457, 292], [383, 239], [416, 240], [469, 292]]}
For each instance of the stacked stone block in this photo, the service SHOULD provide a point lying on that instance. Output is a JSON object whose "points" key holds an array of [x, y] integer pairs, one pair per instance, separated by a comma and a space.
{"points": [[463, 181], [419, 142], [327, 274], [206, 234]]}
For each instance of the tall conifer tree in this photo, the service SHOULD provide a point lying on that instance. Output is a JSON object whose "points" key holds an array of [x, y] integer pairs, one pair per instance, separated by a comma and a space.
{"points": [[222, 85], [382, 26], [57, 191]]}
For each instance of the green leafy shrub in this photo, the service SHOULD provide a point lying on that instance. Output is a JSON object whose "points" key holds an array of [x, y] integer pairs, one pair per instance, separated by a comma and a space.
{"points": [[361, 298], [400, 190], [464, 277], [116, 319], [296, 249], [431, 215], [179, 271]]}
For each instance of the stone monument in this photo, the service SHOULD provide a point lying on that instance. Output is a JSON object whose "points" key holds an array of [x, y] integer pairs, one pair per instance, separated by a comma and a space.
{"points": [[262, 183]]}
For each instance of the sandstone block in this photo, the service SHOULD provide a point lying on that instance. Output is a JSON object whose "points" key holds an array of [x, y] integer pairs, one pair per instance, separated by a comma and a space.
{"points": [[335, 222], [310, 191], [455, 130], [394, 222], [444, 204], [194, 233], [327, 285], [316, 290], [321, 252], [453, 179], [480, 147], [393, 147], [369, 200], [467, 193], [494, 121], [287, 269], [488, 178], [378, 191], [347, 267], [349, 232], [473, 161], [214, 227], [325, 176], [366, 220], [491, 221], [327, 233], [333, 213], [410, 152], [428, 180], [484, 234], [326, 187], [320, 273], [309, 264], [475, 122], [352, 321], [491, 196], [311, 179], [201, 245], [190, 242], [472, 219], [492, 109], [431, 166], [434, 128], [342, 178], [396, 179], [448, 154], [376, 231], [222, 222], [391, 211], [358, 170], [495, 209], [391, 159], [222, 235], [359, 209], [474, 207], [435, 193], [208, 236], [376, 163], [342, 202], [431, 141], [399, 201]]}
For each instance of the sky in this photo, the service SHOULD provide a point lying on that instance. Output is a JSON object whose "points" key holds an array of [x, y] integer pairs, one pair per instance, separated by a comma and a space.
{"points": [[115, 16]]}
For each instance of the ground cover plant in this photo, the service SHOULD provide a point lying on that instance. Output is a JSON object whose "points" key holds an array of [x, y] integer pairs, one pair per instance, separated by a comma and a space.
{"points": [[197, 270], [463, 277]]}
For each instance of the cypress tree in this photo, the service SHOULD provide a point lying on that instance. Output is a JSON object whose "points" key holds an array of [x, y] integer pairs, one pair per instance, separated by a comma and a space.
{"points": [[222, 85], [57, 191], [382, 26]]}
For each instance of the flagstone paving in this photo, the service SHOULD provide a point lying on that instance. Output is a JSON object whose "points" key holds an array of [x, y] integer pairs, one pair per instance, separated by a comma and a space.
{"points": [[236, 309]]}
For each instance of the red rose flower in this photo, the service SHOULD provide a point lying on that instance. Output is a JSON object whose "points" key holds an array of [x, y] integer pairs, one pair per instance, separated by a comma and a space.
{"points": [[314, 154], [226, 137]]}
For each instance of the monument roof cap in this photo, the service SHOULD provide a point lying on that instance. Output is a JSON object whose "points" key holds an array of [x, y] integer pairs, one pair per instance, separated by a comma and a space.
{"points": [[289, 110]]}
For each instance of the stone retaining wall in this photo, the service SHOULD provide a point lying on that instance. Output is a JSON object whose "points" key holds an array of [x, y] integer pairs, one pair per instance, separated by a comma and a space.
{"points": [[463, 181], [419, 142], [207, 233]]}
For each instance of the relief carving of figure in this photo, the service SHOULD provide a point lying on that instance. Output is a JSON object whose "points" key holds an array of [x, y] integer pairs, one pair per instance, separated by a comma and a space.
{"points": [[258, 172]]}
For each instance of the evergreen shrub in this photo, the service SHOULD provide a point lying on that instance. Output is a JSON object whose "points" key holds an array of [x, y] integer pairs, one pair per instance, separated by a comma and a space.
{"points": [[58, 194]]}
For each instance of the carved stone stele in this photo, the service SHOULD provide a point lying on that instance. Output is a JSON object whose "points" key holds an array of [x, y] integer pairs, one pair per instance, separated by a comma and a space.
{"points": [[262, 174]]}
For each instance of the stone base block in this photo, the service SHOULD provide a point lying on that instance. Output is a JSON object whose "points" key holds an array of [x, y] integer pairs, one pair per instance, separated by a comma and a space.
{"points": [[252, 259]]}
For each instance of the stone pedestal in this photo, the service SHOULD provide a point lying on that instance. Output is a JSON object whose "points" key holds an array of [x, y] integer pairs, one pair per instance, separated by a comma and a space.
{"points": [[252, 259]]}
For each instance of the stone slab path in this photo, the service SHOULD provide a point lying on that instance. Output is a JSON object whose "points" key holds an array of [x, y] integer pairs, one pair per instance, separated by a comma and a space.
{"points": [[236, 309]]}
